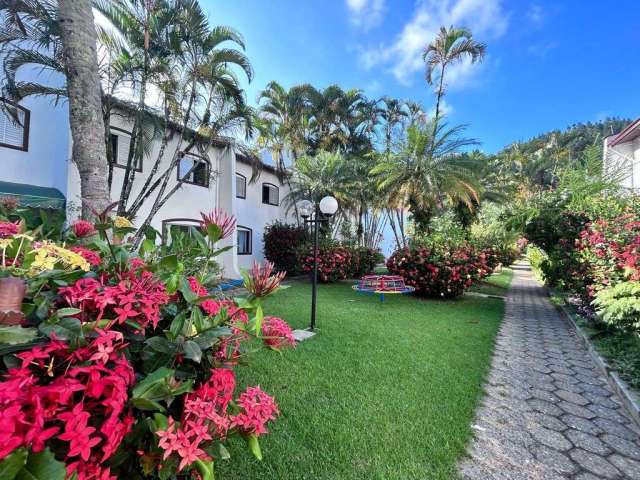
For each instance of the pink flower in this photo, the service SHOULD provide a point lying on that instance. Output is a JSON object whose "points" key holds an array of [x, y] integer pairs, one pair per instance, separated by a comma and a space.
{"points": [[89, 255], [226, 223], [261, 280], [8, 229], [277, 333], [82, 228], [258, 408]]}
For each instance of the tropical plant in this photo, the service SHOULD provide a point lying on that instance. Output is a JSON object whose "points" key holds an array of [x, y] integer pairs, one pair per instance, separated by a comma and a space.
{"points": [[451, 45], [619, 305], [428, 171]]}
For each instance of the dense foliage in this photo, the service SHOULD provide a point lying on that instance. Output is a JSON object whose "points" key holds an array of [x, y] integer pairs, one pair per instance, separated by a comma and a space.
{"points": [[118, 363], [282, 245]]}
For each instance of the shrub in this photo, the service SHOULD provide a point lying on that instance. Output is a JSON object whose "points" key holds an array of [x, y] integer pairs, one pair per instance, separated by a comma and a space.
{"points": [[282, 244], [438, 271], [126, 366], [335, 262], [619, 305], [364, 261]]}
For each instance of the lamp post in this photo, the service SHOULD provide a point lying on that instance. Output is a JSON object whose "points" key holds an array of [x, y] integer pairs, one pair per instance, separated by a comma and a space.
{"points": [[314, 215]]}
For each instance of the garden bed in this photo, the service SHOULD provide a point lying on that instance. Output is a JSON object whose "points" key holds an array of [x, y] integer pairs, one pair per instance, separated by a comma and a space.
{"points": [[383, 391]]}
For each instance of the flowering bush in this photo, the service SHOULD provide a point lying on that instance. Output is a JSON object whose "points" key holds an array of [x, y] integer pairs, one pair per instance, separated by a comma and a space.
{"points": [[438, 271], [334, 263], [364, 261], [131, 372], [282, 244]]}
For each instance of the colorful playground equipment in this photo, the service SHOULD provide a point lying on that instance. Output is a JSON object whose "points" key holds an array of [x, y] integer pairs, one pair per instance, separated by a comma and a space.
{"points": [[382, 284]]}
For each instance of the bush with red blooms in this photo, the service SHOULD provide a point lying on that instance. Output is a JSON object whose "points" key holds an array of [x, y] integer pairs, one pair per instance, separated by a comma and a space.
{"points": [[126, 370], [82, 228], [438, 271], [282, 244], [334, 263]]}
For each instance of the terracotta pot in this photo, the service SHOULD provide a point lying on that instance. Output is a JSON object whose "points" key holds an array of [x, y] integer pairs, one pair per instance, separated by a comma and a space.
{"points": [[12, 292]]}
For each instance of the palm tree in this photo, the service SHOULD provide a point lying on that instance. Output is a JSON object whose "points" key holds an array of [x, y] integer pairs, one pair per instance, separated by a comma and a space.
{"points": [[452, 45], [428, 172], [60, 37], [393, 112]]}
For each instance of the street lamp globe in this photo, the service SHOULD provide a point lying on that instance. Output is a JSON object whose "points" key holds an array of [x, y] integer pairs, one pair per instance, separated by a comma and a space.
{"points": [[329, 205], [305, 208]]}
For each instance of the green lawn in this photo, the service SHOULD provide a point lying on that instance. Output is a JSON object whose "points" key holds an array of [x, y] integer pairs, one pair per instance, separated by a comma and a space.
{"points": [[496, 284], [384, 391]]}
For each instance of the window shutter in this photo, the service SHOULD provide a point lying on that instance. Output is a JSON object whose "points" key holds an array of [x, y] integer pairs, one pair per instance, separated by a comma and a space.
{"points": [[12, 126], [265, 193]]}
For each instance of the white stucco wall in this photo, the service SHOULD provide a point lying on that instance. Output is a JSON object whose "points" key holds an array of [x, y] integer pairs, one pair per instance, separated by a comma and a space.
{"points": [[45, 162], [621, 160], [252, 213]]}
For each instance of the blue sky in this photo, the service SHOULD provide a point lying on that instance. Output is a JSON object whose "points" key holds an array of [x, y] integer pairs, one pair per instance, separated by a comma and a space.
{"points": [[549, 63]]}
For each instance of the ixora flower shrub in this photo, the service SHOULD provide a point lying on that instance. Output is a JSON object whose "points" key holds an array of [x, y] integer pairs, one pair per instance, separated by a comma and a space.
{"points": [[123, 365], [282, 244], [438, 271], [334, 263]]}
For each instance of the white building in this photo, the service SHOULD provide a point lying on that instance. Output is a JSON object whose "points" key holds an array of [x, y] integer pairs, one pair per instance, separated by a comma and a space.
{"points": [[38, 154], [621, 156]]}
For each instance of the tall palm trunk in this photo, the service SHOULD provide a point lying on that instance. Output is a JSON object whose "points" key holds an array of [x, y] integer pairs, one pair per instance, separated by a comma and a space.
{"points": [[78, 36]]}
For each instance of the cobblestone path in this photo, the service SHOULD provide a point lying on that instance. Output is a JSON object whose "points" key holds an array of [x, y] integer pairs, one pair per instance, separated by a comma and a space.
{"points": [[548, 413]]}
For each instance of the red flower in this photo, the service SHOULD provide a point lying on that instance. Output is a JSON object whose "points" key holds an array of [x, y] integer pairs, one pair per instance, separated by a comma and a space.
{"points": [[277, 333], [262, 281], [226, 223], [82, 228], [89, 255], [8, 229]]}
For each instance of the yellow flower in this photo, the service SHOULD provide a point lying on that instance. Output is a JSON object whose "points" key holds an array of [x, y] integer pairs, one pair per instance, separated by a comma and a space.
{"points": [[47, 255], [5, 242], [121, 222]]}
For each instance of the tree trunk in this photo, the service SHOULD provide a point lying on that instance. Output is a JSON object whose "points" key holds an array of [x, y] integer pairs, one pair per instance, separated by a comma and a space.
{"points": [[78, 35]]}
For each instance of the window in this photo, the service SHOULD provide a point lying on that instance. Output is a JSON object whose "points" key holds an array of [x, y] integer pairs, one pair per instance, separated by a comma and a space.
{"points": [[193, 169], [241, 186], [244, 240], [14, 125], [120, 145], [178, 227], [270, 194]]}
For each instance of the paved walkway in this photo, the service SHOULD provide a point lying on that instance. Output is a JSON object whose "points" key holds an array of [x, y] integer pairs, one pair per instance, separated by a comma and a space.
{"points": [[548, 413]]}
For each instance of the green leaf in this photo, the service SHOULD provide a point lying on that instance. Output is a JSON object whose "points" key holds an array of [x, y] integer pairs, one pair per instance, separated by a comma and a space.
{"points": [[259, 319], [146, 386], [223, 453], [214, 232], [160, 344], [170, 262], [192, 351], [147, 246], [254, 446], [42, 466], [209, 337], [198, 320], [15, 334], [67, 329], [205, 469], [13, 463], [68, 312], [186, 291], [177, 324], [146, 404]]}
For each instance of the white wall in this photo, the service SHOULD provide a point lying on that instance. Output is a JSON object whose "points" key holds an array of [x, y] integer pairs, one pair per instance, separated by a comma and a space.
{"points": [[252, 213], [45, 163]]}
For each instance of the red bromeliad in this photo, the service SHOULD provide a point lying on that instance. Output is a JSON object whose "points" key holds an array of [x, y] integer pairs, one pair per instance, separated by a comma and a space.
{"points": [[262, 281], [218, 217]]}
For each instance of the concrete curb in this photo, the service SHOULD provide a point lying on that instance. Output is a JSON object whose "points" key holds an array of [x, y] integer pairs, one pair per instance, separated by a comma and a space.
{"points": [[629, 398]]}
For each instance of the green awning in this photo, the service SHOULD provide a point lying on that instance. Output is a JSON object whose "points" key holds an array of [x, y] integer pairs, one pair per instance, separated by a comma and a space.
{"points": [[32, 195]]}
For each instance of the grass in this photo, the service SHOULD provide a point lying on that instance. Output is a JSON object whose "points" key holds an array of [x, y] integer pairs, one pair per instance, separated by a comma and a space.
{"points": [[383, 391], [496, 284]]}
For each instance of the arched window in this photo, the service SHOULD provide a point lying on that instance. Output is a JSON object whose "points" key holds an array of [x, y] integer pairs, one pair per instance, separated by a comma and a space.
{"points": [[14, 125], [270, 194], [171, 227], [194, 169], [245, 240]]}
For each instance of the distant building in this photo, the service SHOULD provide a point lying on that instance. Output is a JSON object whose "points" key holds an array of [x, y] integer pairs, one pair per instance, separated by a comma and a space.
{"points": [[621, 156], [36, 164]]}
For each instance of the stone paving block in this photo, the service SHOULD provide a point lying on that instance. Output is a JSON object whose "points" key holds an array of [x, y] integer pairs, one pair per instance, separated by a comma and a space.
{"points": [[547, 413]]}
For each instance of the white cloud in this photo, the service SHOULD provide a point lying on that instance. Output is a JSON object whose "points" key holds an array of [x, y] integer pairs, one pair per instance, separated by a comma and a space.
{"points": [[536, 14], [365, 14], [403, 57], [445, 109]]}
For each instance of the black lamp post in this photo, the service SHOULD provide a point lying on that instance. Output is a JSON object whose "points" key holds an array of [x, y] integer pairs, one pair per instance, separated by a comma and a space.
{"points": [[314, 215]]}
